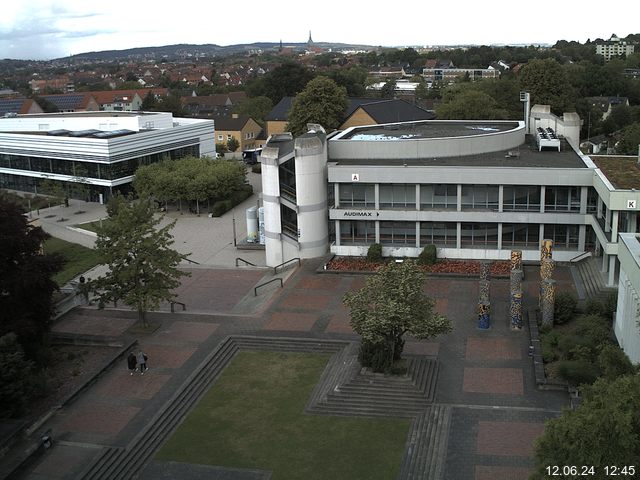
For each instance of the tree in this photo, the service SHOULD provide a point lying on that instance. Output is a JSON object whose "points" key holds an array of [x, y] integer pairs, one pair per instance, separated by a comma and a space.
{"points": [[548, 84], [629, 140], [26, 285], [388, 90], [143, 268], [603, 430], [285, 80], [16, 374], [233, 144], [54, 190], [257, 108], [322, 102], [393, 303], [469, 105], [149, 102]]}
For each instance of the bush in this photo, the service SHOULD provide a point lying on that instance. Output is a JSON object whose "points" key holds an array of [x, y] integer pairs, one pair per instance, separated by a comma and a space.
{"points": [[593, 307], [577, 372], [16, 377], [428, 255], [376, 356], [257, 168], [564, 307], [220, 207], [374, 254], [610, 305], [240, 196], [613, 362]]}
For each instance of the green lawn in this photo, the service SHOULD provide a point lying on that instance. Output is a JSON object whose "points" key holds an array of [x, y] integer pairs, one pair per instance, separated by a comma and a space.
{"points": [[91, 226], [253, 418], [79, 259]]}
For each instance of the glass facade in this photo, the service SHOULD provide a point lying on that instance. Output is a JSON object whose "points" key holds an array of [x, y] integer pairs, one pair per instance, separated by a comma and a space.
{"points": [[438, 197], [400, 196], [479, 235], [521, 198], [94, 170], [440, 234], [520, 235], [480, 197], [357, 195], [398, 233], [357, 233], [562, 199], [563, 236]]}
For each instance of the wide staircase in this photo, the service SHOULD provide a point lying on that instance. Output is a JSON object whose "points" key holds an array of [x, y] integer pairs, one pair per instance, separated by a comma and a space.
{"points": [[594, 282]]}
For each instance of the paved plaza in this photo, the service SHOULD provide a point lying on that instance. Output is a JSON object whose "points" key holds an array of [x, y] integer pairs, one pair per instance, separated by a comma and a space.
{"points": [[485, 379]]}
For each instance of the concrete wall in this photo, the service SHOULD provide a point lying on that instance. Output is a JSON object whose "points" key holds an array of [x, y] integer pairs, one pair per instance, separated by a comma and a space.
{"points": [[625, 327]]}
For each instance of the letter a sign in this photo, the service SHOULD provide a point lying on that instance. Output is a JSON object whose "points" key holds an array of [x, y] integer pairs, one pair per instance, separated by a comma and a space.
{"points": [[355, 177]]}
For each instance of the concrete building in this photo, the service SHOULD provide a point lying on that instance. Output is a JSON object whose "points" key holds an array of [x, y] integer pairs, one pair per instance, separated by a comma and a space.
{"points": [[100, 149], [614, 47], [626, 326]]}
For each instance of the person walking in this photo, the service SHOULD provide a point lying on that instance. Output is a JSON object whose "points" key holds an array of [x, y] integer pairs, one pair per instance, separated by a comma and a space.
{"points": [[132, 363], [141, 358]]}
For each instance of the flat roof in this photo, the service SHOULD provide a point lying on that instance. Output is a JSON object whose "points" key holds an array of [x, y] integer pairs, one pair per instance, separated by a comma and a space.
{"points": [[622, 172], [526, 155], [426, 129], [101, 113]]}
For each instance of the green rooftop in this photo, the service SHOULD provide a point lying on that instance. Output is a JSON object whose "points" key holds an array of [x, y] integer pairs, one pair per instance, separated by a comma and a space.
{"points": [[622, 172]]}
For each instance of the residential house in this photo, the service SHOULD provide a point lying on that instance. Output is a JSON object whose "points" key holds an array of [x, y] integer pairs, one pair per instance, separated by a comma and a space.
{"points": [[376, 112], [73, 102], [125, 100], [18, 105], [220, 104], [614, 47], [241, 127], [62, 83], [606, 104]]}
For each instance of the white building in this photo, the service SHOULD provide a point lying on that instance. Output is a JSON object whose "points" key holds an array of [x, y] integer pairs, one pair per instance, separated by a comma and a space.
{"points": [[614, 47], [103, 148], [626, 325]]}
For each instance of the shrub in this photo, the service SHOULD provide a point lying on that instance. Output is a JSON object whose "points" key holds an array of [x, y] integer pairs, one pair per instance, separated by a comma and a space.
{"points": [[564, 307], [428, 255], [240, 196], [257, 168], [610, 305], [548, 353], [374, 254], [613, 362], [376, 356], [16, 377], [577, 372], [593, 307], [220, 207]]}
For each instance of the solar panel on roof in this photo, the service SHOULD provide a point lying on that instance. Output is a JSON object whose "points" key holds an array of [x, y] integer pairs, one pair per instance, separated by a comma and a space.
{"points": [[10, 105], [113, 133], [58, 133], [83, 133], [65, 102]]}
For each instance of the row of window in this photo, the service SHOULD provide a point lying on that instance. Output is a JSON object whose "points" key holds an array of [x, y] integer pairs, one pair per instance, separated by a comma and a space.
{"points": [[444, 234], [103, 171], [474, 197]]}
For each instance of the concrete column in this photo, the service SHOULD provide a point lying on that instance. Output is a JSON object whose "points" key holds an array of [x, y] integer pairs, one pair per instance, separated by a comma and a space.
{"points": [[417, 234], [459, 198], [515, 310], [516, 261], [599, 204], [376, 190], [605, 257], [633, 222], [484, 318], [607, 221], [458, 235], [337, 223], [542, 195], [582, 237], [500, 201], [548, 301], [541, 236], [500, 236], [614, 226], [377, 230], [611, 282], [417, 196], [584, 192], [336, 194]]}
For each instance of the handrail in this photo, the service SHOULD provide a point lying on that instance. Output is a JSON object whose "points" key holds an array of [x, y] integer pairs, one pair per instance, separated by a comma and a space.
{"points": [[192, 261], [245, 261], [173, 302], [255, 290], [275, 269], [578, 257]]}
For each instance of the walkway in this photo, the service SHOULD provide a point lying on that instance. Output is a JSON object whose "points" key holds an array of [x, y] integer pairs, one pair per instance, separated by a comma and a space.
{"points": [[483, 409]]}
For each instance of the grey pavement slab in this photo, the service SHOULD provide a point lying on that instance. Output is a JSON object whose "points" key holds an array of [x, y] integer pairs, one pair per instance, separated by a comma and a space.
{"points": [[157, 470]]}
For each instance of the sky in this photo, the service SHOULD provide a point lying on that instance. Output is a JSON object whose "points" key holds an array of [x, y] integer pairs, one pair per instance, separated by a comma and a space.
{"points": [[45, 29]]}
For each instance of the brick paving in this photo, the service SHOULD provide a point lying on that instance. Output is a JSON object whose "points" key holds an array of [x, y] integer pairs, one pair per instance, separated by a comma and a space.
{"points": [[495, 381], [487, 377], [507, 438]]}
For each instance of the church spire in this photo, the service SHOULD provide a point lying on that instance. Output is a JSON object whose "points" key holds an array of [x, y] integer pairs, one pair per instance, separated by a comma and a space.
{"points": [[310, 41]]}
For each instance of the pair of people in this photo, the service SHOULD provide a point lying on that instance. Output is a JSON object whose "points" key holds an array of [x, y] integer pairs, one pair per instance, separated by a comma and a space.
{"points": [[137, 361]]}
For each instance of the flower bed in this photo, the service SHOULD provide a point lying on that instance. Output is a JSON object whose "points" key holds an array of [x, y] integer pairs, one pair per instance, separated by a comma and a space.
{"points": [[462, 267]]}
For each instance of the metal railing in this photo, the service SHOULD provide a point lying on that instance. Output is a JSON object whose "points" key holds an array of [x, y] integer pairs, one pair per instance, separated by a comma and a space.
{"points": [[275, 269], [255, 290], [245, 261], [191, 261], [577, 258]]}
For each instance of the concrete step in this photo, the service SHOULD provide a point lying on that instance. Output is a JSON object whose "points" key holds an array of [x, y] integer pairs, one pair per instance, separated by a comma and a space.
{"points": [[363, 411]]}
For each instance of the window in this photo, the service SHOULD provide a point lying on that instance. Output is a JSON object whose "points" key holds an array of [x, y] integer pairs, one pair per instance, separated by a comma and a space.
{"points": [[398, 233], [439, 197], [480, 197], [220, 138], [520, 235], [229, 137], [562, 199], [440, 234], [357, 232], [479, 235], [563, 236], [521, 198], [400, 196], [357, 195]]}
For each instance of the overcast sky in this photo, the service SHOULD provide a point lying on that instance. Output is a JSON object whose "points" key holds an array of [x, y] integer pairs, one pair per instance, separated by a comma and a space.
{"points": [[45, 29]]}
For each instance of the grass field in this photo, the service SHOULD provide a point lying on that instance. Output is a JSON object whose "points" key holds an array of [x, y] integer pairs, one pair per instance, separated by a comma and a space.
{"points": [[91, 226], [79, 259], [253, 418]]}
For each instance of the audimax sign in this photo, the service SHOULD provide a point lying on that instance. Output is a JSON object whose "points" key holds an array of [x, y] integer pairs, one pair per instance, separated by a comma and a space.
{"points": [[360, 213]]}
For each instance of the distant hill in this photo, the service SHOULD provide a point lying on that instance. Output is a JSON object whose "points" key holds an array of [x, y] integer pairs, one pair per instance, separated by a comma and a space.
{"points": [[182, 50]]}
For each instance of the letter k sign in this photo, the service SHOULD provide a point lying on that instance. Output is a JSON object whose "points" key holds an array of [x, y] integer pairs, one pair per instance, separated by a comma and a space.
{"points": [[631, 204]]}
